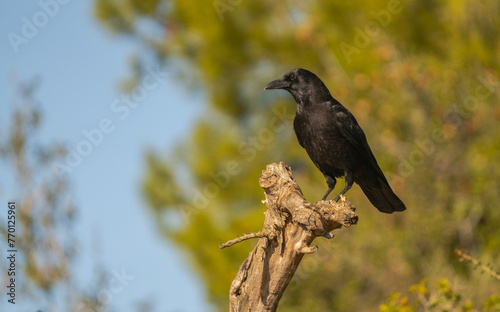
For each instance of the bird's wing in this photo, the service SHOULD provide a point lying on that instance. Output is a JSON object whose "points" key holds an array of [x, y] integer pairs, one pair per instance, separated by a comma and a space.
{"points": [[297, 133], [350, 129]]}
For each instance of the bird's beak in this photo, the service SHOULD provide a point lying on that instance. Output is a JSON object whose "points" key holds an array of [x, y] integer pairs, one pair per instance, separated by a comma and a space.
{"points": [[277, 84]]}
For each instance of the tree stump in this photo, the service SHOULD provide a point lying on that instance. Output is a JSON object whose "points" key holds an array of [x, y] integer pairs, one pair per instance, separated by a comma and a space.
{"points": [[291, 223]]}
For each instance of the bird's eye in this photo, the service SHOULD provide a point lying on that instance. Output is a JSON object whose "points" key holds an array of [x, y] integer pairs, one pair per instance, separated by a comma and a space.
{"points": [[292, 77]]}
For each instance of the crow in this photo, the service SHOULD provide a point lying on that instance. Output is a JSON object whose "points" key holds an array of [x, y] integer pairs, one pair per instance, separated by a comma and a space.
{"points": [[334, 141]]}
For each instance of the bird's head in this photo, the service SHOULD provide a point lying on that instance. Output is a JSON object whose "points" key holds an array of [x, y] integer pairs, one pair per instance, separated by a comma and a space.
{"points": [[302, 84]]}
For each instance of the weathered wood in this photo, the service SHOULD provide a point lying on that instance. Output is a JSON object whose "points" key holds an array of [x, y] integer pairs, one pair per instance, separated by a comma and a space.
{"points": [[291, 223]]}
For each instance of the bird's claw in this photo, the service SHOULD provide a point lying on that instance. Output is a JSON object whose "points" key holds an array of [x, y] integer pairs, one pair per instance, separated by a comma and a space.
{"points": [[328, 235]]}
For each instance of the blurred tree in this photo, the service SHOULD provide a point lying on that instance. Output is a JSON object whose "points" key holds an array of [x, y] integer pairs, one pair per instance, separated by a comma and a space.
{"points": [[45, 215], [421, 77]]}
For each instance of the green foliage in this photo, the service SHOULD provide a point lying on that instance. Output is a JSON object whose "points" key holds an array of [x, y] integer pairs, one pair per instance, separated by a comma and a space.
{"points": [[396, 303], [444, 298], [422, 79], [492, 303]]}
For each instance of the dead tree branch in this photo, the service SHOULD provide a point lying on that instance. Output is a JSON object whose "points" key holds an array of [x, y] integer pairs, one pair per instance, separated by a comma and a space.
{"points": [[242, 238], [291, 223]]}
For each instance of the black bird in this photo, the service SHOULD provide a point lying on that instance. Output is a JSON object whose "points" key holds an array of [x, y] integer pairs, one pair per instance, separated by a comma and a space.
{"points": [[334, 141]]}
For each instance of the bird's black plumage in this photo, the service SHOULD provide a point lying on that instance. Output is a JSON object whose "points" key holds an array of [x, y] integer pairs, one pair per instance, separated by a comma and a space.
{"points": [[334, 141]]}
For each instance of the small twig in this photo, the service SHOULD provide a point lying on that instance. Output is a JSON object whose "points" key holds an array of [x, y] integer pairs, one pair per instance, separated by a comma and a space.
{"points": [[242, 238], [485, 268]]}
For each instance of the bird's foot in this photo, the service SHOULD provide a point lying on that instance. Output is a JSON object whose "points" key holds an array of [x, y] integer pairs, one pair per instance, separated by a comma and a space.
{"points": [[328, 235]]}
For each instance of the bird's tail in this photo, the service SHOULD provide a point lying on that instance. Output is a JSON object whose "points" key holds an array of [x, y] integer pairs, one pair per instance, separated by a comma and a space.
{"points": [[383, 198]]}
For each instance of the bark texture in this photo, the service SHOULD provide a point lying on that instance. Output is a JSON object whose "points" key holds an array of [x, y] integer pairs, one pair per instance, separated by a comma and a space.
{"points": [[291, 224]]}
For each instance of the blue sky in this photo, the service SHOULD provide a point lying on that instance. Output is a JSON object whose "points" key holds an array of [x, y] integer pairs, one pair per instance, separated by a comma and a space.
{"points": [[80, 66]]}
